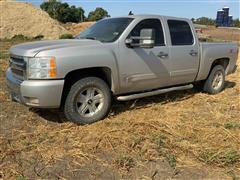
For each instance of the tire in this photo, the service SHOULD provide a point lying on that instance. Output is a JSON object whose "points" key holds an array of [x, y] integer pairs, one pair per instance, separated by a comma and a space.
{"points": [[213, 85], [198, 86], [88, 101]]}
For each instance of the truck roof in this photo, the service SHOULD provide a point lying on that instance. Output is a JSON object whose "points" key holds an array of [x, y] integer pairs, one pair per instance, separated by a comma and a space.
{"points": [[144, 16]]}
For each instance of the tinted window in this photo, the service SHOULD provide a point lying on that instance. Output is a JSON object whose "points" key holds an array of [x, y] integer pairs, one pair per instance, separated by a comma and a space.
{"points": [[180, 33], [107, 30], [150, 24]]}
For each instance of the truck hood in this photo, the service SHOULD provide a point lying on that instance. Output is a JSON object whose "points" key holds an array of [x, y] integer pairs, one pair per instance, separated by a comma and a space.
{"points": [[32, 48]]}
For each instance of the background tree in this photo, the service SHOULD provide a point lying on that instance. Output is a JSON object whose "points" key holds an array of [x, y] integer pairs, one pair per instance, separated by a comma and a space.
{"points": [[205, 21], [51, 8], [97, 14], [63, 12], [236, 23]]}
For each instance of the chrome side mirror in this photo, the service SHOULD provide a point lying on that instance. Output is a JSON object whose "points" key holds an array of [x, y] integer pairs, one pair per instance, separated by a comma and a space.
{"points": [[145, 40]]}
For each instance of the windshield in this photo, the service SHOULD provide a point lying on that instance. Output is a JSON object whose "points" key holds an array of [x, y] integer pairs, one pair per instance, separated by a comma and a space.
{"points": [[107, 30]]}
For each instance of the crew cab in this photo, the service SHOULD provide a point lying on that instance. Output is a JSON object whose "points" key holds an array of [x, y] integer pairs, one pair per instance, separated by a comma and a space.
{"points": [[124, 58]]}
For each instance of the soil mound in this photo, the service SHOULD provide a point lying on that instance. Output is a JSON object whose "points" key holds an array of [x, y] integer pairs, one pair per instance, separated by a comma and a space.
{"points": [[23, 18]]}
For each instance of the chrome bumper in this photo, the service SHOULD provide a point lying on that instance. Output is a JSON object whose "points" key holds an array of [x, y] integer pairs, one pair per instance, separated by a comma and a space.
{"points": [[35, 93]]}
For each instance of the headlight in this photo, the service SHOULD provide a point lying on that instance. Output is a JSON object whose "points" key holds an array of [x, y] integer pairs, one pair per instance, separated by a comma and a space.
{"points": [[41, 68]]}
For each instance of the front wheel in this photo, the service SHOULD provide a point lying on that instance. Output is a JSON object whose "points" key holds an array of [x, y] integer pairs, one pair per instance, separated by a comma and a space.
{"points": [[215, 81], [88, 101]]}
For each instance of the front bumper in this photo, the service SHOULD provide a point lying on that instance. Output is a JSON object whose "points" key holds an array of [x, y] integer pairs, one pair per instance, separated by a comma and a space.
{"points": [[35, 93]]}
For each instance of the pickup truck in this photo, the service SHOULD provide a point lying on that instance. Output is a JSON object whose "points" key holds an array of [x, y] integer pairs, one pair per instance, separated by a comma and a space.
{"points": [[124, 58]]}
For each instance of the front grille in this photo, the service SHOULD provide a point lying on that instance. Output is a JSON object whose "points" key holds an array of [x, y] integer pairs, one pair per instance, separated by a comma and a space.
{"points": [[18, 66]]}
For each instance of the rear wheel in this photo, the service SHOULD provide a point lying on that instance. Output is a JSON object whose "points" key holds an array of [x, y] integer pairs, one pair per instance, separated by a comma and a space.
{"points": [[215, 81], [88, 101]]}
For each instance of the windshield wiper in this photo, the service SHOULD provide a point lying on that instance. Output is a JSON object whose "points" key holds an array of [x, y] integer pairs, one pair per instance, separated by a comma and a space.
{"points": [[88, 37]]}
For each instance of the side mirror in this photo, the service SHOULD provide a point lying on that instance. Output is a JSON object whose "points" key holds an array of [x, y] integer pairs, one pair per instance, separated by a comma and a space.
{"points": [[147, 37], [145, 40]]}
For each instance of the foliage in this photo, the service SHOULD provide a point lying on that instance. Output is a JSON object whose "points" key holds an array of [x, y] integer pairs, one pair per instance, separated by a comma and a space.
{"points": [[236, 23], [38, 37], [20, 37], [97, 14], [171, 159], [204, 21], [63, 12], [21, 178], [66, 36], [232, 126], [125, 162], [221, 157], [209, 21]]}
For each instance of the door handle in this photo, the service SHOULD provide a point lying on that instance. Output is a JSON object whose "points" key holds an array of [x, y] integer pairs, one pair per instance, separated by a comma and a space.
{"points": [[162, 55], [193, 53]]}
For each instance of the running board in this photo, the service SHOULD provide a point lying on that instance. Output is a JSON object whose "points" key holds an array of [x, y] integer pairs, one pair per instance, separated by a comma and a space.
{"points": [[152, 93]]}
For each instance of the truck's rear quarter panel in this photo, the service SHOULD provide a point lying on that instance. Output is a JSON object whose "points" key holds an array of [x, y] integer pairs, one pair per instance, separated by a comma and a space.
{"points": [[213, 51]]}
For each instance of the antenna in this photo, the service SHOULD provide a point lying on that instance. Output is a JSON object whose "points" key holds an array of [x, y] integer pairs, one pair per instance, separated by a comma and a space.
{"points": [[130, 13]]}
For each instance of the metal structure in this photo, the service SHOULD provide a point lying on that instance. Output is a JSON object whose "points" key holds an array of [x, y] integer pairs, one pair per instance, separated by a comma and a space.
{"points": [[223, 18]]}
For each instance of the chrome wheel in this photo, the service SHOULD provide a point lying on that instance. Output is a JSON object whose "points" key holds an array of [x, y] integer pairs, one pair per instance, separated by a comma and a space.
{"points": [[89, 102], [217, 80]]}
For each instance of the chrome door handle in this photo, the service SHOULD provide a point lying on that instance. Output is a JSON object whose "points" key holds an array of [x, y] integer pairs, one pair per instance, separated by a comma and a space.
{"points": [[193, 53], [162, 55]]}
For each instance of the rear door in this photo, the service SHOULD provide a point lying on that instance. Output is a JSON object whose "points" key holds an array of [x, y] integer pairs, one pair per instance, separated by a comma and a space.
{"points": [[184, 51]]}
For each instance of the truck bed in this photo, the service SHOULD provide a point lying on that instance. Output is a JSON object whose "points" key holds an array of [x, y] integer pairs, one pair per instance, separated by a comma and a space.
{"points": [[211, 51]]}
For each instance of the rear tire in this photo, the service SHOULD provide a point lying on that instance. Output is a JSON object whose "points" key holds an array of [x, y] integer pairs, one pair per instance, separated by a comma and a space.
{"points": [[215, 81], [88, 101]]}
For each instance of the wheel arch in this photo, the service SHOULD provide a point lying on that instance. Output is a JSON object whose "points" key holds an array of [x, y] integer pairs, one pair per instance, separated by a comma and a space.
{"points": [[220, 61], [104, 73]]}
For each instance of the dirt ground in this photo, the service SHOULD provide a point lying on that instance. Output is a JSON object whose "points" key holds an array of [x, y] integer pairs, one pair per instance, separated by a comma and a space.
{"points": [[18, 18], [76, 28], [178, 135], [225, 34]]}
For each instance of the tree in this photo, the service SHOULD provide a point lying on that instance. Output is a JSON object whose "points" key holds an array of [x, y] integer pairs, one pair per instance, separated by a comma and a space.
{"points": [[205, 21], [236, 23], [63, 12], [97, 14], [51, 8]]}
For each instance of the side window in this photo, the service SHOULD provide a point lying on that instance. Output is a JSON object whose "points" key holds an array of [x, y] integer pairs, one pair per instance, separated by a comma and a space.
{"points": [[180, 33], [153, 24]]}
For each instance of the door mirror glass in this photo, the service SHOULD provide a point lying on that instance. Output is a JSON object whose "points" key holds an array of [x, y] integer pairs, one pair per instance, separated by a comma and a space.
{"points": [[145, 40]]}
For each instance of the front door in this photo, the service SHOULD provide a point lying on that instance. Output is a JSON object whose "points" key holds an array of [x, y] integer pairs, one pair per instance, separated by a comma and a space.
{"points": [[145, 69]]}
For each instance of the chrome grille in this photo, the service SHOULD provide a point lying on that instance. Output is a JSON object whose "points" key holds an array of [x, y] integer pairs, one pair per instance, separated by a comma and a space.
{"points": [[18, 66]]}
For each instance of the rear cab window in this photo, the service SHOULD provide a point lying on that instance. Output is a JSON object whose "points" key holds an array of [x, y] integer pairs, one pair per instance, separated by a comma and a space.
{"points": [[180, 33]]}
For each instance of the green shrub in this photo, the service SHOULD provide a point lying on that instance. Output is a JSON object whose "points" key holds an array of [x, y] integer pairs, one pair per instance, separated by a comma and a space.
{"points": [[220, 157], [125, 162], [66, 36], [19, 37], [171, 159], [97, 14], [38, 37], [232, 125]]}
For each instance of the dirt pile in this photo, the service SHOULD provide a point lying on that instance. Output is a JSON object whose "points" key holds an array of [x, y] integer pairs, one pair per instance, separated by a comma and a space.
{"points": [[23, 18], [76, 28]]}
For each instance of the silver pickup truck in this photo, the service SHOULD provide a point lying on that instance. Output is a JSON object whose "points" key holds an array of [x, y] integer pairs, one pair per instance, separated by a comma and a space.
{"points": [[123, 58]]}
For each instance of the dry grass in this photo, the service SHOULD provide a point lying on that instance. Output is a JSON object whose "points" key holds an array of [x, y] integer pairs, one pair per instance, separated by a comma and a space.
{"points": [[222, 34], [186, 134]]}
